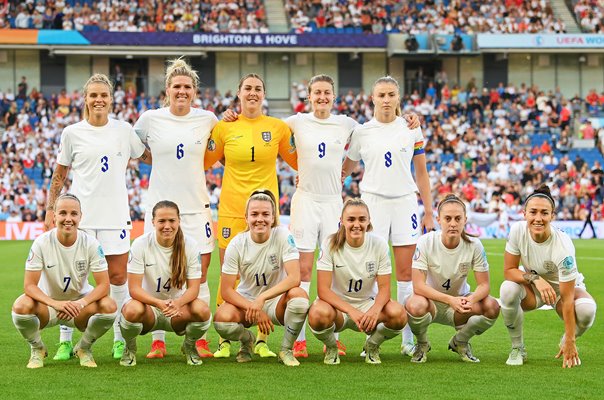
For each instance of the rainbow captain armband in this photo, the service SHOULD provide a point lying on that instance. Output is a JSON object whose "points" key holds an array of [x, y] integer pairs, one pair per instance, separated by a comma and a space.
{"points": [[418, 148]]}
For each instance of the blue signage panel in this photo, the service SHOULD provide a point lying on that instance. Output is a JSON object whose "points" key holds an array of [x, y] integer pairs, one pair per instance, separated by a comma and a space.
{"points": [[236, 40], [47, 36]]}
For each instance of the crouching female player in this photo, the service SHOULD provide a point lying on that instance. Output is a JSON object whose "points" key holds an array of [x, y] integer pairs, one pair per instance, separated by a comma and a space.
{"points": [[441, 265], [57, 289], [549, 276], [266, 259], [164, 272], [353, 283]]}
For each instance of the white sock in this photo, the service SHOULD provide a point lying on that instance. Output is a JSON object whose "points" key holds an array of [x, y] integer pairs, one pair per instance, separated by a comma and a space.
{"points": [[66, 333], [476, 325], [419, 326], [98, 324], [511, 294], [302, 336], [327, 336], [204, 295], [195, 330], [585, 313], [119, 293], [28, 326], [229, 330], [293, 321], [130, 330], [404, 290], [159, 335], [381, 334]]}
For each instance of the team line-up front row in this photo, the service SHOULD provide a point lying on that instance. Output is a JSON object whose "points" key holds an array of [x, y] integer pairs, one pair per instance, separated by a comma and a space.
{"points": [[353, 284]]}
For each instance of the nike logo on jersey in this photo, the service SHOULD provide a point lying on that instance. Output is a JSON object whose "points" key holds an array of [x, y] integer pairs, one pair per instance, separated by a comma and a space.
{"points": [[50, 266], [414, 234], [149, 265], [339, 266]]}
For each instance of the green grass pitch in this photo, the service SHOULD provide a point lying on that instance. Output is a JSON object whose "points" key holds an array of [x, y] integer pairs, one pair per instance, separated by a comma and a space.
{"points": [[443, 376]]}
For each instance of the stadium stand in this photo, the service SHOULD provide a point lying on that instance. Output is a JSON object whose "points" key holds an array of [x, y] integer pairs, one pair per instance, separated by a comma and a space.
{"points": [[589, 15], [421, 16], [233, 16], [345, 16]]}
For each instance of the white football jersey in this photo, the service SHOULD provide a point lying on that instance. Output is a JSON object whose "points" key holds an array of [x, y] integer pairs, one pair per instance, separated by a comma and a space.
{"points": [[65, 270], [259, 265], [149, 258], [387, 151], [553, 260], [355, 270], [320, 146], [448, 268], [178, 146], [98, 157]]}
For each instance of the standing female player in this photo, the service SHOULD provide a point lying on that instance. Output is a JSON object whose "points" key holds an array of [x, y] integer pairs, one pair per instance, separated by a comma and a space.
{"points": [[164, 274], [549, 276], [317, 203], [57, 289], [177, 135], [98, 150], [249, 148], [387, 146], [266, 260], [441, 265], [353, 283]]}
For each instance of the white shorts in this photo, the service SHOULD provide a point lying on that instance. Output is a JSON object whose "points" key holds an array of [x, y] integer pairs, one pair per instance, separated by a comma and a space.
{"points": [[349, 322], [113, 241], [53, 320], [162, 322], [395, 219], [270, 308], [313, 217], [199, 226], [445, 314]]}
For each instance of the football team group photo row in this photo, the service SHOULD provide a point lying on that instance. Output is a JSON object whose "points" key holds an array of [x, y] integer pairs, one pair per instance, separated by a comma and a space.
{"points": [[158, 283]]}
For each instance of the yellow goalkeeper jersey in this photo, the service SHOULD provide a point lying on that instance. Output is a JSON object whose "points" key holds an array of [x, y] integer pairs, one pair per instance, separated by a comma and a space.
{"points": [[249, 148]]}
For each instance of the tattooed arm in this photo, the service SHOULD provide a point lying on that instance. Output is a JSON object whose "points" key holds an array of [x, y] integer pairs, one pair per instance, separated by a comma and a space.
{"points": [[146, 157], [56, 185]]}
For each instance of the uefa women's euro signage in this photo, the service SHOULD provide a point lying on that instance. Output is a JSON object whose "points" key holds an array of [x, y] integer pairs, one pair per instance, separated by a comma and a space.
{"points": [[540, 41]]}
